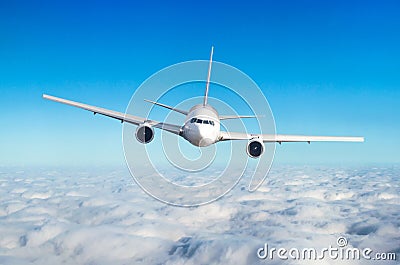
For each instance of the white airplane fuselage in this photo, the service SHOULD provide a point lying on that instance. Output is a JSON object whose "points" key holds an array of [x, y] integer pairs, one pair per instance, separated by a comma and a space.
{"points": [[202, 126]]}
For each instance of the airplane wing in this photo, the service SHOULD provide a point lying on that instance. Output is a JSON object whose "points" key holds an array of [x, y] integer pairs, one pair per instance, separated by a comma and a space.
{"points": [[176, 129], [280, 138]]}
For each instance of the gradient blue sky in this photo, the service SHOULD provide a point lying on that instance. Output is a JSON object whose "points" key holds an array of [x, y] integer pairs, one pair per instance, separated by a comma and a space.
{"points": [[325, 68]]}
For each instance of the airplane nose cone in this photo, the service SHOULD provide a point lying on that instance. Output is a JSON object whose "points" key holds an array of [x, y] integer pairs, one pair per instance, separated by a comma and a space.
{"points": [[206, 138], [199, 135], [205, 142]]}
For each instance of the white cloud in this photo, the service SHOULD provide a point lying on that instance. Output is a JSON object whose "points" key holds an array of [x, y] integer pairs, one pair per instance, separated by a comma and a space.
{"points": [[49, 217]]}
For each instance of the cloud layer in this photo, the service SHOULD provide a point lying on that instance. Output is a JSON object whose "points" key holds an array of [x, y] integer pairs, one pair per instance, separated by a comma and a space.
{"points": [[75, 217]]}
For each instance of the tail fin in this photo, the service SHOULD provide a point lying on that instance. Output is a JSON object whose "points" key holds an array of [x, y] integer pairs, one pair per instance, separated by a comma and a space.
{"points": [[208, 77]]}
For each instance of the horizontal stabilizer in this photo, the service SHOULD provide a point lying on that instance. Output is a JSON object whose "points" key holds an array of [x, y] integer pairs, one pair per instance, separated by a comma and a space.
{"points": [[184, 112], [229, 117]]}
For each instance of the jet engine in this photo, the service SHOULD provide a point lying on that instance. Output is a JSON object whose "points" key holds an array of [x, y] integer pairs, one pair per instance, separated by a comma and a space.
{"points": [[255, 148], [144, 134]]}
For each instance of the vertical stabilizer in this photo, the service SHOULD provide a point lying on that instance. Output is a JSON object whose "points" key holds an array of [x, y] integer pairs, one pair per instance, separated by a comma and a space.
{"points": [[208, 77]]}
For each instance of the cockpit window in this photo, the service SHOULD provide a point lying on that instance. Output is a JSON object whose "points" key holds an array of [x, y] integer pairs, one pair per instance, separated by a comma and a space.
{"points": [[195, 120]]}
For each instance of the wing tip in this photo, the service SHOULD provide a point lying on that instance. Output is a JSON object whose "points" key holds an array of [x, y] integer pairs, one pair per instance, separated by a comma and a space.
{"points": [[360, 139], [45, 96]]}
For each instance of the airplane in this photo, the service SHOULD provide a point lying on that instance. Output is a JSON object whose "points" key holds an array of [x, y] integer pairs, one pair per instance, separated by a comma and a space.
{"points": [[202, 126]]}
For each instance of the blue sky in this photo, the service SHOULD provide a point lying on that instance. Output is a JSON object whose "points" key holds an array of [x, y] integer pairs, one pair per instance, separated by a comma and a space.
{"points": [[325, 68]]}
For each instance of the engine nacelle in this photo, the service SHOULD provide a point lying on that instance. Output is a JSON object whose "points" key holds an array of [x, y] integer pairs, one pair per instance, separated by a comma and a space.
{"points": [[255, 148], [144, 134]]}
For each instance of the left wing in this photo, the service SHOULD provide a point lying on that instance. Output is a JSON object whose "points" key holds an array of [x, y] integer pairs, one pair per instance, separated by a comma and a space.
{"points": [[280, 138], [176, 129]]}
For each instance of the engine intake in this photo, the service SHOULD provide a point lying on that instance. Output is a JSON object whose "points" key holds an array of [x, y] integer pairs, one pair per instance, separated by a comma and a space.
{"points": [[255, 148], [144, 134]]}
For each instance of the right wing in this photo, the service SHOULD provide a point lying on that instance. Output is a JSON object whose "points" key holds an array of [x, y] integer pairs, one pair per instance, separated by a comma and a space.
{"points": [[280, 138], [176, 129]]}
